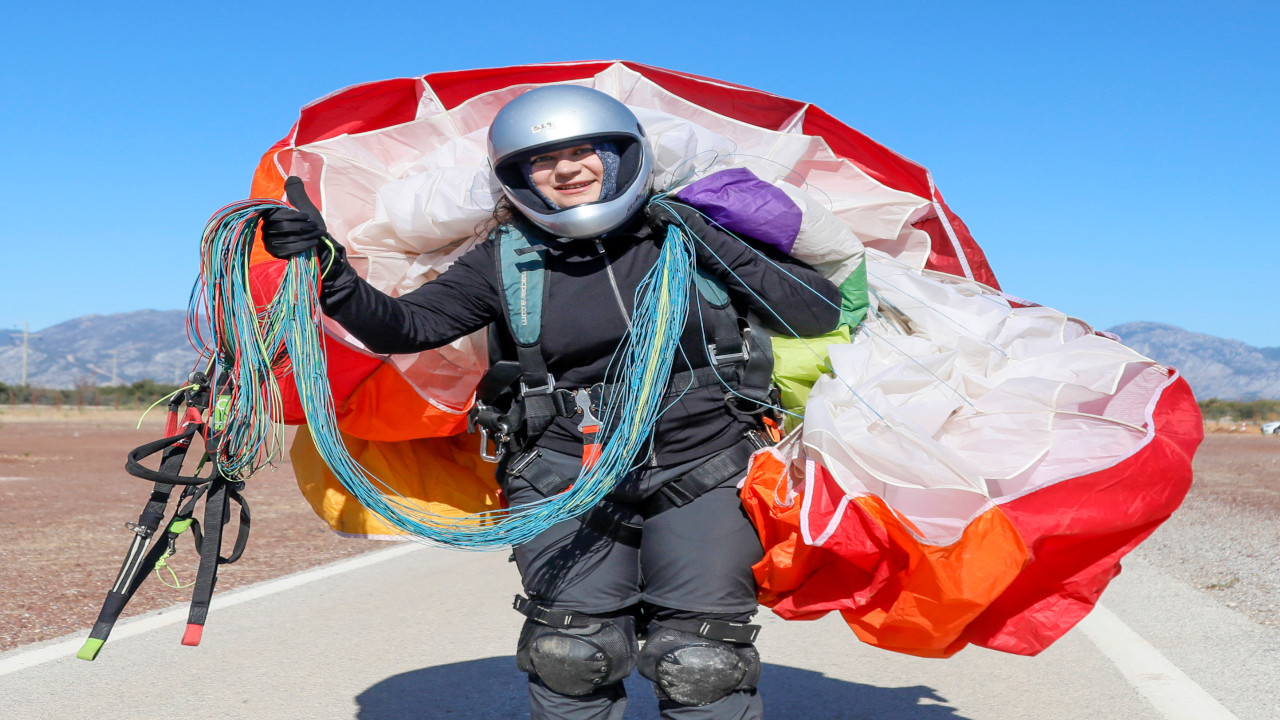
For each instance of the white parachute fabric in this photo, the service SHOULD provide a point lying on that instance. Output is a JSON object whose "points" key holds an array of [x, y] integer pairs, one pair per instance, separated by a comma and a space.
{"points": [[952, 399]]}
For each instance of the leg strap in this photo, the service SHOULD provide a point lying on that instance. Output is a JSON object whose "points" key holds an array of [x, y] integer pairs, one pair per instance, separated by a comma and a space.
{"points": [[711, 474], [722, 630], [530, 466], [535, 470]]}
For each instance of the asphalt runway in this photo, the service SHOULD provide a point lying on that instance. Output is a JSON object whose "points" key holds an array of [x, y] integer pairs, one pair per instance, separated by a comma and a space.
{"points": [[422, 633]]}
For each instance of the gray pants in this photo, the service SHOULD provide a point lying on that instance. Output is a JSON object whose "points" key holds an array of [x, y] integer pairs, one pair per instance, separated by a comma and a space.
{"points": [[682, 563]]}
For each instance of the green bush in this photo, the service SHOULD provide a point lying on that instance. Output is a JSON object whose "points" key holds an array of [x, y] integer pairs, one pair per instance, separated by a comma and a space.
{"points": [[138, 395], [1259, 411]]}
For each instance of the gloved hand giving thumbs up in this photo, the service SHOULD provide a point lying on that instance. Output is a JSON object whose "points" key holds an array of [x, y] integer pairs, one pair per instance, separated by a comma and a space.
{"points": [[289, 231]]}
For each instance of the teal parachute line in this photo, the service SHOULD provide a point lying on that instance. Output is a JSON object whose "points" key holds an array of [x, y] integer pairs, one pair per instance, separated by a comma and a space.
{"points": [[225, 324], [254, 346]]}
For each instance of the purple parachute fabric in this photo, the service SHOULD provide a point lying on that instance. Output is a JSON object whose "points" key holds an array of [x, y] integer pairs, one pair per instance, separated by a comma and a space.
{"points": [[742, 203]]}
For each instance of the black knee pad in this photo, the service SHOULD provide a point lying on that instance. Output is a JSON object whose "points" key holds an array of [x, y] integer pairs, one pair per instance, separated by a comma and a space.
{"points": [[693, 670], [578, 660]]}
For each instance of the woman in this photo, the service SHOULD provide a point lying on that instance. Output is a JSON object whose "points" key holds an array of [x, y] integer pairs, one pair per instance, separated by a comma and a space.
{"points": [[667, 555]]}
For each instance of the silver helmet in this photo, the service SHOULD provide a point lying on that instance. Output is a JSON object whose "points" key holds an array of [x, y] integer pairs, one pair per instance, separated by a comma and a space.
{"points": [[556, 116]]}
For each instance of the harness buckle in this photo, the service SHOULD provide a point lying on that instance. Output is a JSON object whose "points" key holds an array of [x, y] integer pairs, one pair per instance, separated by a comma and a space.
{"points": [[582, 397], [744, 330], [141, 531], [525, 390], [742, 356], [523, 461]]}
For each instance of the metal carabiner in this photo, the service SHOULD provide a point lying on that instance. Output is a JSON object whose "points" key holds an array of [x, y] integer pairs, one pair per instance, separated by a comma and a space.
{"points": [[499, 443]]}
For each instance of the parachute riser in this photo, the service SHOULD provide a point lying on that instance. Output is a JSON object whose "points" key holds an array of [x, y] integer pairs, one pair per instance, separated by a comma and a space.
{"points": [[180, 429]]}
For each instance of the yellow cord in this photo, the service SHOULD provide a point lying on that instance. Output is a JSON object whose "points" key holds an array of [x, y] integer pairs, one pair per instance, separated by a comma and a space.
{"points": [[176, 584], [154, 404]]}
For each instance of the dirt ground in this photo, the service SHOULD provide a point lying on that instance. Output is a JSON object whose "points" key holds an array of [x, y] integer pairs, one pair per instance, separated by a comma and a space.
{"points": [[1225, 539], [65, 499], [64, 502]]}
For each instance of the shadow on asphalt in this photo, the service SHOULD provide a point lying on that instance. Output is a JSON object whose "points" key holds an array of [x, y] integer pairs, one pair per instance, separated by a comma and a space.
{"points": [[492, 689]]}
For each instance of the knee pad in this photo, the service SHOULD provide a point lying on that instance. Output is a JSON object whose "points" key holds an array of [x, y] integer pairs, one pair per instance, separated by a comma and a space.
{"points": [[693, 670], [578, 661]]}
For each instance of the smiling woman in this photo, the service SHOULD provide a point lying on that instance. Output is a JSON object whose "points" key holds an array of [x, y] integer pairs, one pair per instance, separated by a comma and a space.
{"points": [[569, 176]]}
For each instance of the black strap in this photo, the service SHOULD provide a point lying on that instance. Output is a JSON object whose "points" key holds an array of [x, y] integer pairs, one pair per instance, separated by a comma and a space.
{"points": [[683, 490], [167, 474], [726, 346], [531, 466], [757, 375], [216, 515], [242, 531], [722, 630], [139, 559], [535, 470], [551, 618]]}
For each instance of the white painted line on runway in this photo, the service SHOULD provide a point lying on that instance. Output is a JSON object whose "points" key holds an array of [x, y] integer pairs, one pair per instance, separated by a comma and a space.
{"points": [[21, 660], [1174, 695]]}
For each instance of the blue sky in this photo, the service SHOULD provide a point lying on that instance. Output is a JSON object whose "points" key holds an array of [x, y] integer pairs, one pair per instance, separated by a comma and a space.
{"points": [[1117, 161]]}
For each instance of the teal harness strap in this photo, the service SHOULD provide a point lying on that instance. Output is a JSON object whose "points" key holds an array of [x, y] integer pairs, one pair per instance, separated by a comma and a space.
{"points": [[711, 289], [522, 270]]}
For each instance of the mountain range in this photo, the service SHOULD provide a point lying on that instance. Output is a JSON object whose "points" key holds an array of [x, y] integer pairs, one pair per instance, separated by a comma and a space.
{"points": [[152, 344], [101, 350], [1215, 367]]}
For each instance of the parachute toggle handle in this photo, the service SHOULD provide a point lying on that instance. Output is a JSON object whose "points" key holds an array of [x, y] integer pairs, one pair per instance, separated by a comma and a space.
{"points": [[193, 634], [90, 649]]}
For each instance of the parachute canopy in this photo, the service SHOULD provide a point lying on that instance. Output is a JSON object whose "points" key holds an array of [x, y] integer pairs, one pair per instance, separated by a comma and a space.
{"points": [[970, 468], [399, 169]]}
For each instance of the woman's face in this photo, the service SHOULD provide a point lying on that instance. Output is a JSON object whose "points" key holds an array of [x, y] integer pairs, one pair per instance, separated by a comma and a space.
{"points": [[569, 176]]}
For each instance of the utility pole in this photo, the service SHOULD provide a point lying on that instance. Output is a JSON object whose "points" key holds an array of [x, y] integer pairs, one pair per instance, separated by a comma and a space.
{"points": [[115, 376], [26, 336]]}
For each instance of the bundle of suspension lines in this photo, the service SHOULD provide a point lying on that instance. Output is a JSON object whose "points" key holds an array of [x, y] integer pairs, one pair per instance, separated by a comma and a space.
{"points": [[253, 344]]}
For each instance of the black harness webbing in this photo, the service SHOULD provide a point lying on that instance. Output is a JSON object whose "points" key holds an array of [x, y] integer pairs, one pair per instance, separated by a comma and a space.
{"points": [[518, 400], [217, 513], [721, 467], [552, 618], [217, 491]]}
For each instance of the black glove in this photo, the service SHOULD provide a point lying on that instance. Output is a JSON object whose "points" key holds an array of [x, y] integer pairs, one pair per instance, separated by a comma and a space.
{"points": [[287, 232], [661, 214]]}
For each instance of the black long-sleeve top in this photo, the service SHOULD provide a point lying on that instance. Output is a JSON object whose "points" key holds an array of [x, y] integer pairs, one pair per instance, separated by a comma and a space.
{"points": [[583, 323]]}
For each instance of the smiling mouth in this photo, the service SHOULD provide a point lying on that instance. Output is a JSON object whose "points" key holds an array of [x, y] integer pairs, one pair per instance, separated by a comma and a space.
{"points": [[572, 188]]}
